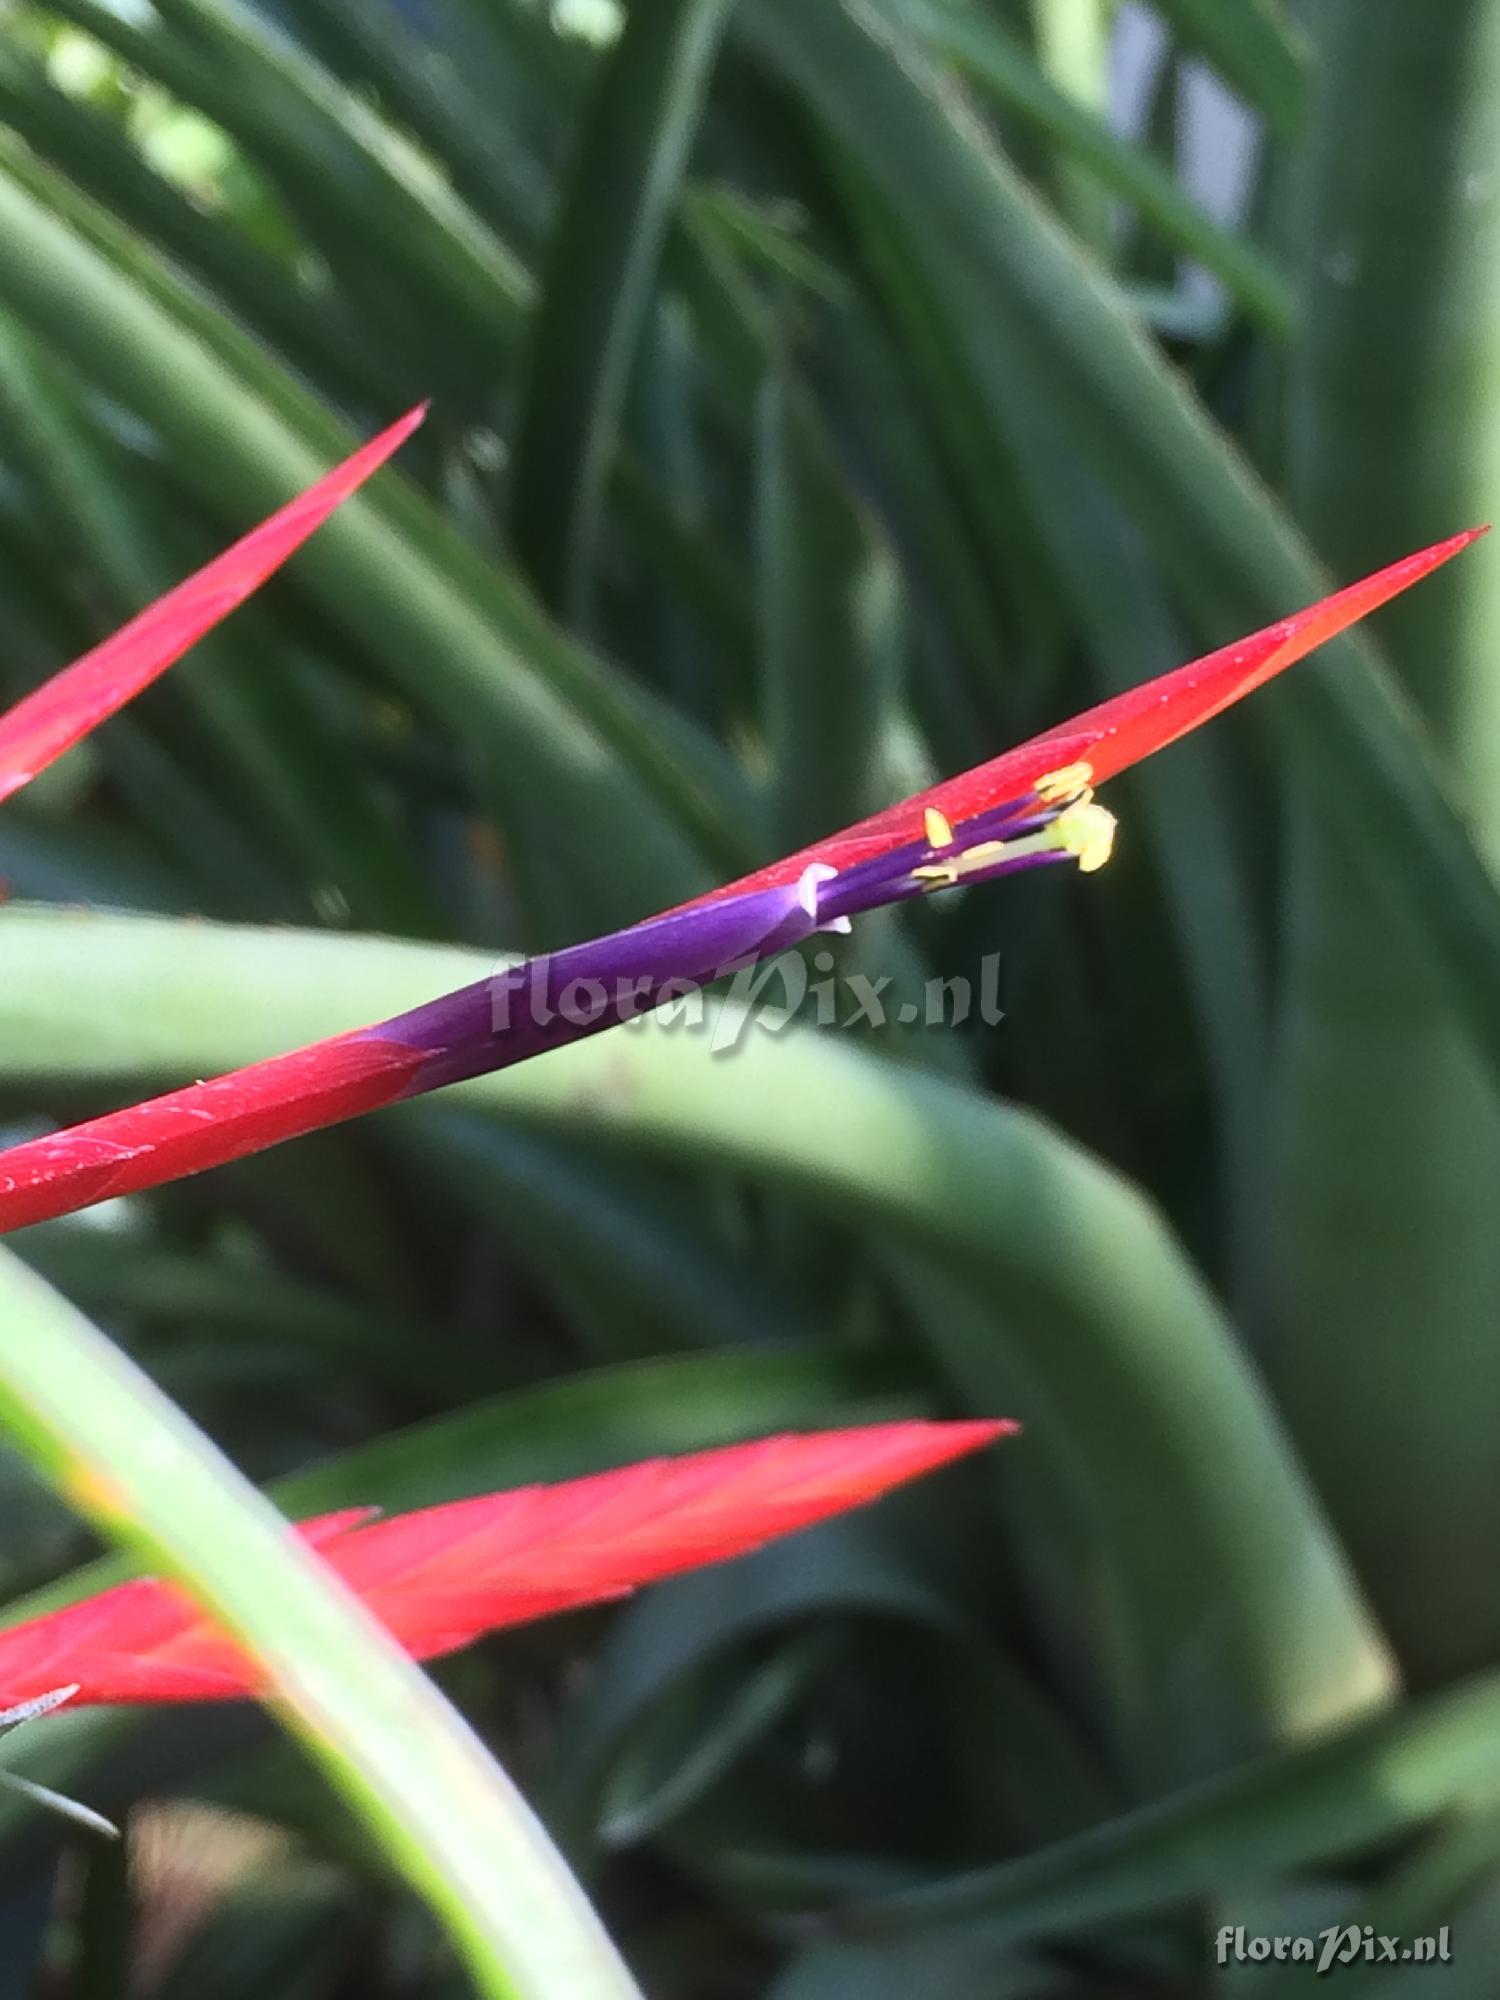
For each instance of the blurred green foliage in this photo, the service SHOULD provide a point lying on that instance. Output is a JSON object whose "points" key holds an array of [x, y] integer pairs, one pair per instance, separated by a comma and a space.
{"points": [[821, 401]]}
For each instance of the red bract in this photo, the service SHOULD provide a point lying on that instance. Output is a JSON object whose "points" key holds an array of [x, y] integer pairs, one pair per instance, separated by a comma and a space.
{"points": [[206, 1124], [439, 1579], [1129, 727], [1028, 806], [38, 729]]}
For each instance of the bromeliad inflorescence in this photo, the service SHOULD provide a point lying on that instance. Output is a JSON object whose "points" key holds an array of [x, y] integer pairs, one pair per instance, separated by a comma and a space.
{"points": [[440, 1578], [1032, 806]]}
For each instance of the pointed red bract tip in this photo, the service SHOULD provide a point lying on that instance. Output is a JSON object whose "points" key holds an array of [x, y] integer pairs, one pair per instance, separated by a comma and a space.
{"points": [[53, 718], [1133, 725], [1120, 732], [441, 1578]]}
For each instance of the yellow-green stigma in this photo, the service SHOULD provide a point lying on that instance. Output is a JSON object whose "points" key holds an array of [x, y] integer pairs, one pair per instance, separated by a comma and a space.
{"points": [[1054, 819], [1087, 832]]}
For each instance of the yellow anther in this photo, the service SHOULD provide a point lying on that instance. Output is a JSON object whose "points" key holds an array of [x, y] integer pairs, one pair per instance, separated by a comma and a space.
{"points": [[937, 829], [1084, 830], [1087, 832], [1072, 781], [944, 874]]}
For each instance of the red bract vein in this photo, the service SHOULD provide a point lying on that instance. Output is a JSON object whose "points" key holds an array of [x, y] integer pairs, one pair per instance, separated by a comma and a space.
{"points": [[441, 1578]]}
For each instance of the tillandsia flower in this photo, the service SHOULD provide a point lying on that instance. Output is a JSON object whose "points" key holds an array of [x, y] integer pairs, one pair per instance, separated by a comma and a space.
{"points": [[1032, 806], [442, 1578]]}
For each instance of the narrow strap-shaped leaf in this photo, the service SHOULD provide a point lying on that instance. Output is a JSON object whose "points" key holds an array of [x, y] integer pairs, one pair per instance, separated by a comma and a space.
{"points": [[1363, 1786], [816, 560], [597, 290], [1153, 1416], [1380, 1195], [331, 344], [82, 1413], [332, 158], [1253, 47], [979, 45]]}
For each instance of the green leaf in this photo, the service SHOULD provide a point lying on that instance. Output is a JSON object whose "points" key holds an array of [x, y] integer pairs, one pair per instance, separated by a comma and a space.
{"points": [[1450, 1873], [1156, 1419], [827, 691], [636, 1265], [125, 1456], [437, 96], [596, 292], [337, 164], [308, 323], [928, 1964], [1255, 49], [687, 1683], [1380, 1190], [1072, 42], [117, 1273], [1367, 1785], [980, 48]]}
